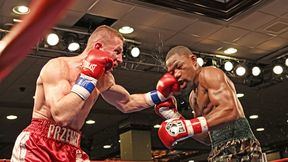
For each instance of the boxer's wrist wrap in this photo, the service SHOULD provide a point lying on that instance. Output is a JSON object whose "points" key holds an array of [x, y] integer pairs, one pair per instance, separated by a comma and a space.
{"points": [[84, 86], [196, 125], [154, 97]]}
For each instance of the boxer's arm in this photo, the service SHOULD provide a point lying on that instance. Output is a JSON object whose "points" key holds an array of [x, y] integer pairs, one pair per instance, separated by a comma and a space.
{"points": [[221, 95], [203, 137], [119, 97], [125, 102], [63, 103]]}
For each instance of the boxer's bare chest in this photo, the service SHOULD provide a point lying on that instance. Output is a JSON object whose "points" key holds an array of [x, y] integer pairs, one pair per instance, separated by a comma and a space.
{"points": [[199, 100]]}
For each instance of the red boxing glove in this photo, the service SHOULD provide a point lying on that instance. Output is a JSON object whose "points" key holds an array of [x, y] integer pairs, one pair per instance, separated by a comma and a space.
{"points": [[167, 85], [164, 89], [96, 63], [168, 109], [175, 130], [93, 67]]}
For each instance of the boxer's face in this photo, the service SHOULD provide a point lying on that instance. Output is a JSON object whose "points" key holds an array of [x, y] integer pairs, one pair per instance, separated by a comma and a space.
{"points": [[115, 48], [182, 67]]}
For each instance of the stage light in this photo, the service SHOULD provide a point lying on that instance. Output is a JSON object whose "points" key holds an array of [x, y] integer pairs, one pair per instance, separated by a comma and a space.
{"points": [[90, 122], [228, 66], [21, 10], [230, 51], [277, 69], [11, 117], [73, 46], [240, 70], [253, 116], [256, 71], [286, 61], [107, 146], [126, 30], [239, 95], [135, 52], [72, 41], [200, 61], [156, 126], [260, 129], [52, 39]]}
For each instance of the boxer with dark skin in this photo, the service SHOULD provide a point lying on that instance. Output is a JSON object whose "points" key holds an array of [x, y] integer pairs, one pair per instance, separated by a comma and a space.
{"points": [[218, 112]]}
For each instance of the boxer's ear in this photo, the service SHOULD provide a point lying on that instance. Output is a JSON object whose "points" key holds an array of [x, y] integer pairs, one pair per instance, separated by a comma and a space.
{"points": [[193, 58], [98, 45]]}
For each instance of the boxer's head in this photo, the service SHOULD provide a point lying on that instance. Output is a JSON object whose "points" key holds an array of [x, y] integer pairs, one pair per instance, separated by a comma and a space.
{"points": [[182, 64], [109, 40]]}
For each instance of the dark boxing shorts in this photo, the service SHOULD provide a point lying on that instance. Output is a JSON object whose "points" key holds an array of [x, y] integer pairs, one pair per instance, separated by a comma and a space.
{"points": [[45, 141], [235, 142]]}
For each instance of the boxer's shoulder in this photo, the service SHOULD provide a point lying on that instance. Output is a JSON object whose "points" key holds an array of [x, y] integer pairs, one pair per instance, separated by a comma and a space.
{"points": [[211, 70], [55, 68], [209, 74]]}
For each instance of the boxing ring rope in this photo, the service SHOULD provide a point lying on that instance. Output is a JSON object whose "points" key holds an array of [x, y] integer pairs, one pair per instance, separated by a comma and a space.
{"points": [[18, 42]]}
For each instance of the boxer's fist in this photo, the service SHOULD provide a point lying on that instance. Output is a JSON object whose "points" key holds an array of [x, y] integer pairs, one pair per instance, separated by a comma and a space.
{"points": [[167, 109], [175, 130], [96, 63], [93, 67], [172, 131], [166, 86]]}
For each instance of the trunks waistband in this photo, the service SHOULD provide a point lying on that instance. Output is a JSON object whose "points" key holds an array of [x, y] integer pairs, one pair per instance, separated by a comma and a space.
{"points": [[238, 129], [48, 129]]}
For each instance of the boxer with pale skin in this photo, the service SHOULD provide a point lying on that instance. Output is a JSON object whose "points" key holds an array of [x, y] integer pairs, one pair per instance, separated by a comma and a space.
{"points": [[218, 112], [66, 90]]}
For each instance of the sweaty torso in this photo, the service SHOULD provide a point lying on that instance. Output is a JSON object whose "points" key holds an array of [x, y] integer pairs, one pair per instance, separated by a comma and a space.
{"points": [[200, 102], [43, 110]]}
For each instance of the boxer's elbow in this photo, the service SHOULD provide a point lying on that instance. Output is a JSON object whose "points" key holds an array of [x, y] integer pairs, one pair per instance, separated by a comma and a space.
{"points": [[124, 108], [128, 107], [62, 121], [230, 113], [60, 118]]}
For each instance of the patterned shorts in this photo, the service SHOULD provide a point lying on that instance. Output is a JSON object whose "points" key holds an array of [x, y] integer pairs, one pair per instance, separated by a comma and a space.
{"points": [[237, 150]]}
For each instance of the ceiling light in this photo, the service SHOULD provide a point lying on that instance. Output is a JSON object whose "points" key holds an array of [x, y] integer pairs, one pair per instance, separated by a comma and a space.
{"points": [[200, 61], [72, 41], [256, 71], [11, 117], [21, 10], [126, 30], [253, 116], [107, 146], [17, 20], [135, 52], [191, 161], [73, 46], [240, 70], [239, 95], [230, 51], [286, 62], [260, 129], [52, 39], [157, 126], [278, 69], [90, 122], [228, 66]]}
